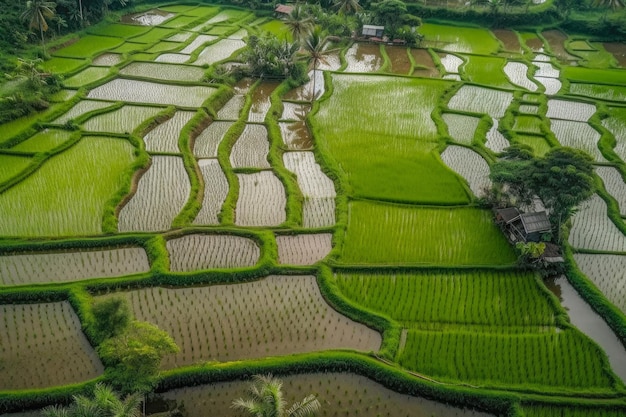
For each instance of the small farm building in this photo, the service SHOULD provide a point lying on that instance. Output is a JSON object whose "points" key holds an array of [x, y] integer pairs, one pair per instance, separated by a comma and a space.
{"points": [[523, 227], [283, 9], [373, 31]]}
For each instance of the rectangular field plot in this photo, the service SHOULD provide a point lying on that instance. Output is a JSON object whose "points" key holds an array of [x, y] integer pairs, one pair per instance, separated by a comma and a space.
{"points": [[305, 249], [161, 193], [215, 191], [164, 137], [486, 70], [251, 148], [123, 120], [318, 212], [83, 179], [470, 165], [26, 268], [278, 315], [88, 46], [538, 143], [261, 201], [604, 92], [461, 39], [219, 51], [578, 135], [80, 109], [615, 185], [166, 72], [608, 273], [87, 76], [363, 57], [134, 91], [616, 124], [364, 139], [565, 359], [232, 108], [197, 252], [394, 234], [461, 128], [592, 228], [43, 346], [486, 298], [206, 143], [481, 100], [43, 141], [340, 393], [570, 110], [12, 165], [313, 182]]}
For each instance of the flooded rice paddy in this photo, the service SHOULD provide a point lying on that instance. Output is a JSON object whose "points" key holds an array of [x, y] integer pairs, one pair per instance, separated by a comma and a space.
{"points": [[251, 148], [152, 17], [469, 165], [219, 51], [607, 273], [496, 141], [592, 229], [215, 191], [164, 137], [198, 252], [207, 142], [261, 101], [262, 200], [134, 91], [614, 185], [296, 135], [461, 128], [123, 120], [363, 57], [303, 249], [163, 71]]}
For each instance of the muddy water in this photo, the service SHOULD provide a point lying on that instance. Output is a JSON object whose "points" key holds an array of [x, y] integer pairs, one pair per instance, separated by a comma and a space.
{"points": [[261, 100], [509, 40], [556, 39], [399, 58], [363, 57], [535, 44], [618, 50], [296, 135], [150, 18], [423, 58], [590, 323], [341, 394]]}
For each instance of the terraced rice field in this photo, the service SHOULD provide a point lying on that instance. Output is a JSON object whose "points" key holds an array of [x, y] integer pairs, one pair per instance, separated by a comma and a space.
{"points": [[163, 72], [469, 165], [296, 135], [496, 140], [363, 57], [616, 124], [570, 110], [164, 137], [608, 273], [161, 193], [87, 76], [123, 120], [23, 268], [481, 100], [207, 142], [219, 51], [303, 249], [578, 135], [461, 128], [261, 101], [232, 108], [592, 229], [517, 73], [312, 181], [215, 191], [38, 341], [251, 148], [81, 108], [12, 165], [233, 322], [261, 200], [451, 63], [614, 184], [198, 252]]}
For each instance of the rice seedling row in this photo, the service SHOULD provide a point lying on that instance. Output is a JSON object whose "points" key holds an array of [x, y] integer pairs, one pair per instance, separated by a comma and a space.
{"points": [[306, 249], [251, 148], [261, 101], [87, 76], [592, 229], [24, 268], [614, 184], [180, 37], [294, 111], [603, 92], [517, 73], [488, 298], [537, 410], [123, 120], [164, 137], [261, 201], [362, 57], [529, 109], [198, 252], [38, 341], [172, 58], [311, 180], [469, 165], [219, 51], [341, 393], [616, 124], [232, 108], [163, 72], [570, 110], [578, 135], [296, 135], [63, 65], [481, 100], [161, 193], [451, 63], [318, 212], [152, 93], [84, 178], [81, 108], [487, 70], [207, 142], [527, 123], [12, 165], [215, 192], [278, 315], [198, 42], [461, 128], [496, 140], [385, 234], [521, 361], [608, 273], [551, 85], [43, 141], [88, 46]]}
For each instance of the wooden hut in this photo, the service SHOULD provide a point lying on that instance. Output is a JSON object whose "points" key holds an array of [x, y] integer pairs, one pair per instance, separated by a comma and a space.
{"points": [[523, 227]]}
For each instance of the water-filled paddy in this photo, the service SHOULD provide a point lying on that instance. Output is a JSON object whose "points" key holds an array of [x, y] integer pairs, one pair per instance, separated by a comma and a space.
{"points": [[198, 252], [251, 148], [363, 57], [608, 273], [215, 191], [207, 142], [592, 229], [262, 200], [219, 51], [87, 76], [296, 135], [232, 108], [81, 108], [303, 249], [469, 165], [163, 71], [614, 184], [461, 128], [123, 120], [261, 101], [398, 55], [164, 137]]}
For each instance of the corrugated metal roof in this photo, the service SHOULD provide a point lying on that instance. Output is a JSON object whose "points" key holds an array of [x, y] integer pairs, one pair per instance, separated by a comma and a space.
{"points": [[508, 214], [536, 222]]}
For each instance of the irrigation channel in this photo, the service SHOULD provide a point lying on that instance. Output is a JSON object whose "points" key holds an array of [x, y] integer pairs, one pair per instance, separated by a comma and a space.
{"points": [[330, 233]]}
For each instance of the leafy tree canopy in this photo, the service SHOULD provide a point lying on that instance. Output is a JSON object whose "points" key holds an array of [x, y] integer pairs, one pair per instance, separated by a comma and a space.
{"points": [[112, 318]]}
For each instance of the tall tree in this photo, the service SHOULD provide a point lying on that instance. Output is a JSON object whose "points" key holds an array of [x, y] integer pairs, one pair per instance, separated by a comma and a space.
{"points": [[300, 24], [36, 12], [347, 6], [265, 399], [316, 50]]}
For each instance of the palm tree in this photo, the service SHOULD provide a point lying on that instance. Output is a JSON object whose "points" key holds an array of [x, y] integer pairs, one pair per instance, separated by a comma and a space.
{"points": [[608, 4], [37, 11], [299, 23], [316, 50], [105, 403], [347, 6], [266, 400]]}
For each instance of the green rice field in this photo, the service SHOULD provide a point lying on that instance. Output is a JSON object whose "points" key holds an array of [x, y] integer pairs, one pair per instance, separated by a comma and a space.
{"points": [[343, 242]]}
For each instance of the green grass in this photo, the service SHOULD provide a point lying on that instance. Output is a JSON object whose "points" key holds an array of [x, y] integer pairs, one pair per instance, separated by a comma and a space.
{"points": [[154, 35], [565, 359], [485, 298], [588, 75], [67, 195], [383, 157], [539, 144], [43, 141], [460, 39], [606, 92], [572, 411], [163, 47], [119, 30], [86, 76], [527, 123], [62, 65], [129, 47], [179, 21], [88, 46], [486, 70], [278, 29], [12, 165], [390, 234]]}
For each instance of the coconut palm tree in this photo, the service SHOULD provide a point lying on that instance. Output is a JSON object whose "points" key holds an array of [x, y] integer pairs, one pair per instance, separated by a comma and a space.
{"points": [[300, 24], [347, 6], [608, 4], [266, 400], [37, 11], [105, 403], [315, 49]]}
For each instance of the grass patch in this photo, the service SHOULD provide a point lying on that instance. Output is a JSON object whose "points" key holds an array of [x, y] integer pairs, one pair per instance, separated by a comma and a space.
{"points": [[88, 46], [364, 139], [12, 165], [394, 234], [62, 65]]}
